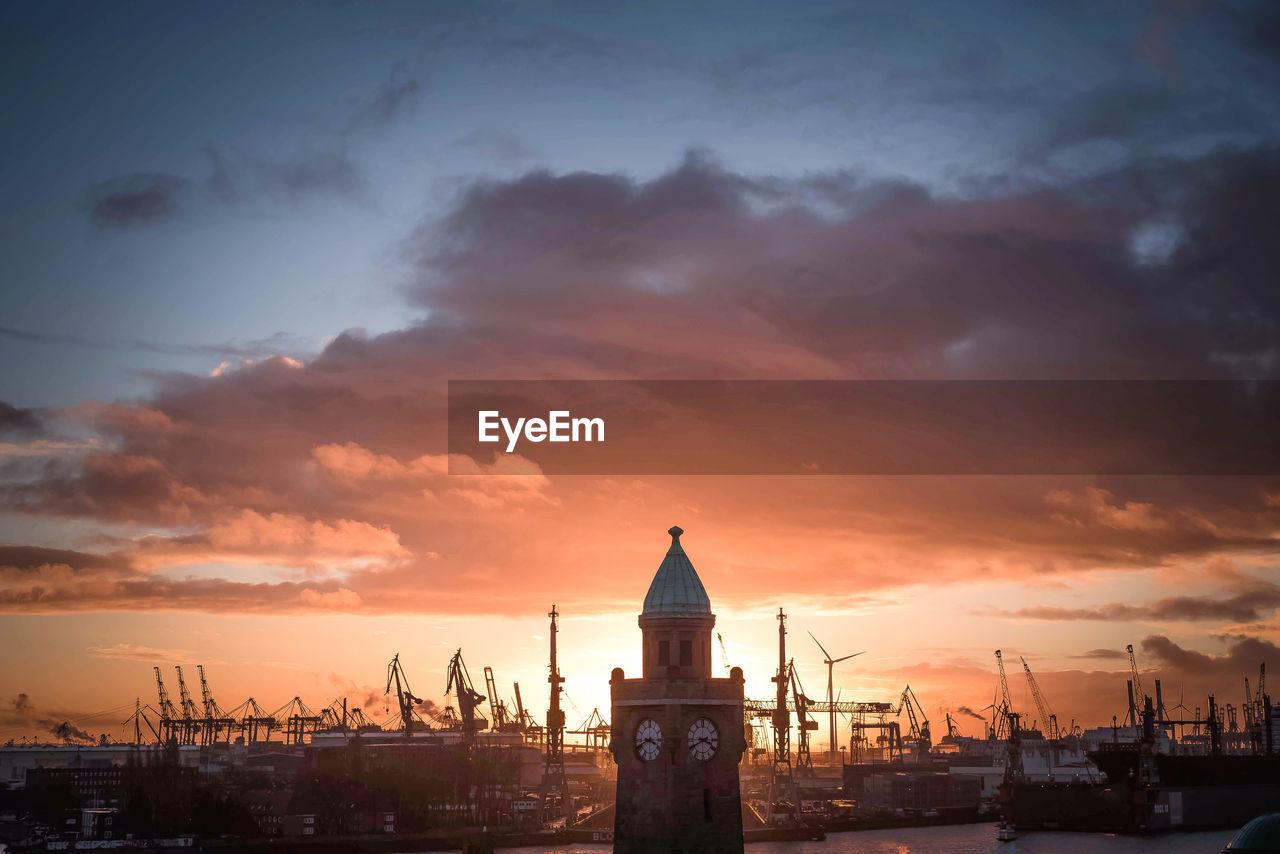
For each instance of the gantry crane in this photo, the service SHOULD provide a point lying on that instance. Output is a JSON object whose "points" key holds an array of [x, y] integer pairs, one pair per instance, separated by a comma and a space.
{"points": [[298, 719], [216, 721], [253, 721], [168, 714], [190, 721]]}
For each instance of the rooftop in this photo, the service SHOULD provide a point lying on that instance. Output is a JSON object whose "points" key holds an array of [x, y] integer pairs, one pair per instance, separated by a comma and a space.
{"points": [[676, 588]]}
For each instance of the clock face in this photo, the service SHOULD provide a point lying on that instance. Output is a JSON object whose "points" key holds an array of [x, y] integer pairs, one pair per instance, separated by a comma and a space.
{"points": [[648, 739], [703, 739]]}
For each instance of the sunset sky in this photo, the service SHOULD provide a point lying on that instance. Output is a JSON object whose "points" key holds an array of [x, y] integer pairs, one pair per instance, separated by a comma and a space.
{"points": [[244, 246]]}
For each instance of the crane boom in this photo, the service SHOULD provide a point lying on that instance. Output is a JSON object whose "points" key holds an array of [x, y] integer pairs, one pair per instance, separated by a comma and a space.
{"points": [[1048, 719], [166, 705], [1133, 674]]}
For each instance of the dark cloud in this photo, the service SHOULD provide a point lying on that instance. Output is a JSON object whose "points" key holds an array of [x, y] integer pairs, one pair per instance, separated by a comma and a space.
{"points": [[149, 199], [1244, 654], [495, 144], [1245, 607], [142, 199], [30, 558], [279, 343], [317, 174], [392, 101], [1030, 284], [700, 272], [146, 199], [1262, 29], [1102, 654], [25, 423]]}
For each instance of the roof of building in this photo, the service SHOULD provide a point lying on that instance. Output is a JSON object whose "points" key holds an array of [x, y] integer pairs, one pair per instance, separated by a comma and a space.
{"points": [[676, 588]]}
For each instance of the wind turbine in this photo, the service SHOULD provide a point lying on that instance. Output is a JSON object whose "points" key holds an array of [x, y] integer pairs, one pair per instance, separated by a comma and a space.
{"points": [[1182, 691], [831, 700]]}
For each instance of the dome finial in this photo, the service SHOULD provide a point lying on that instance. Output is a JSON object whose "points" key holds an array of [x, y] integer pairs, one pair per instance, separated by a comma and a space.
{"points": [[675, 531]]}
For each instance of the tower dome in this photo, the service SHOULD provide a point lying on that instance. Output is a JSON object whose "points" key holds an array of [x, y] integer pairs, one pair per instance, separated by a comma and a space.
{"points": [[676, 588]]}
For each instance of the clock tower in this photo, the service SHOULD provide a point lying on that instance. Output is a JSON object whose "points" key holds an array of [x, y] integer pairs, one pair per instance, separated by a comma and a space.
{"points": [[677, 731]]}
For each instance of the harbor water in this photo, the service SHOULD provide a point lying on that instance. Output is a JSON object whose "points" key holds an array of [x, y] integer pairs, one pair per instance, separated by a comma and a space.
{"points": [[966, 839]]}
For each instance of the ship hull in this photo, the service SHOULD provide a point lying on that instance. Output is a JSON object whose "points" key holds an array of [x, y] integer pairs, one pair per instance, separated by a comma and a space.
{"points": [[1150, 793]]}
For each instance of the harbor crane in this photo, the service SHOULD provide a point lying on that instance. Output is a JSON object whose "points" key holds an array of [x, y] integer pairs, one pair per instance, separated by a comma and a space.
{"points": [[1006, 717], [806, 724], [469, 699], [724, 655], [299, 720], [782, 780], [405, 700], [1008, 727], [919, 728], [216, 721], [1136, 692], [168, 714], [190, 715], [1048, 720], [496, 705], [831, 666], [253, 719], [553, 773]]}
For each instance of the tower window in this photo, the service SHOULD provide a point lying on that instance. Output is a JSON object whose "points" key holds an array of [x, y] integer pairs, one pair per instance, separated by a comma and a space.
{"points": [[664, 653], [686, 653], [706, 805]]}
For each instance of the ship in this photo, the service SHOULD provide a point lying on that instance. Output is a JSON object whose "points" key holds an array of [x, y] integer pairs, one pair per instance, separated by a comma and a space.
{"points": [[1143, 790]]}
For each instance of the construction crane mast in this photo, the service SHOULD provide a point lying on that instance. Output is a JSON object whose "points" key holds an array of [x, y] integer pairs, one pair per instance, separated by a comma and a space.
{"points": [[724, 655], [1048, 720]]}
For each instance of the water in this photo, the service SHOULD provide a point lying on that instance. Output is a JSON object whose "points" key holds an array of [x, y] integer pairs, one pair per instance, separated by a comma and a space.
{"points": [[966, 839]]}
